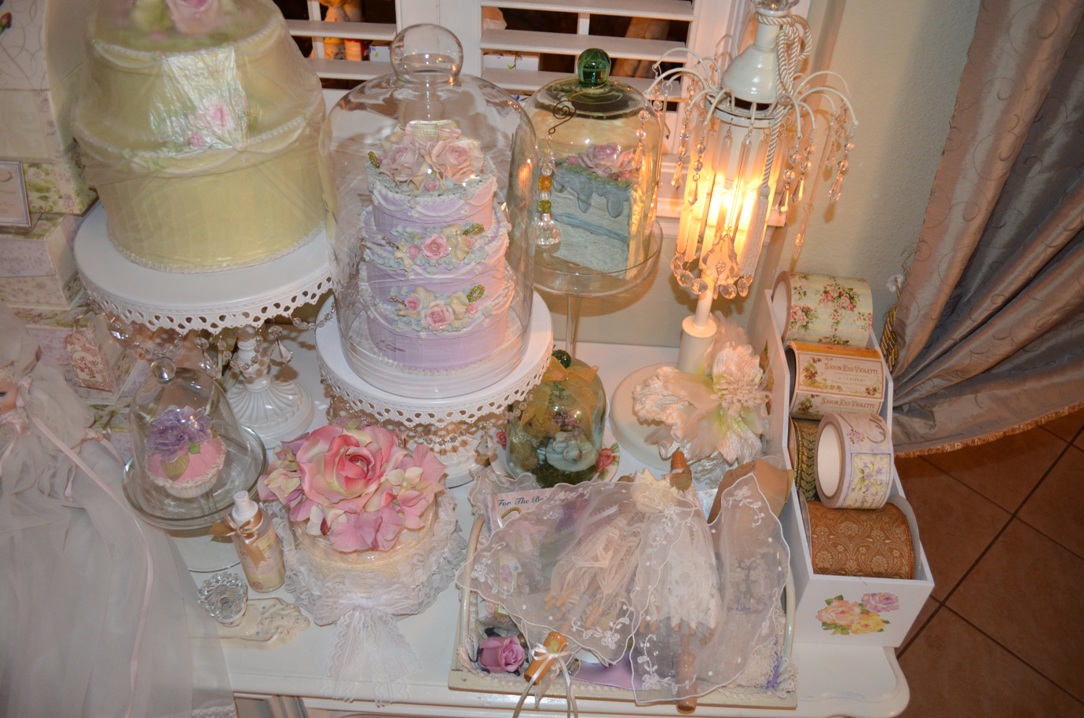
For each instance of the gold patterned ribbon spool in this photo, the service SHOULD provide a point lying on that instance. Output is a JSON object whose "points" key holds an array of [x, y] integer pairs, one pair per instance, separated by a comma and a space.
{"points": [[872, 543], [802, 446]]}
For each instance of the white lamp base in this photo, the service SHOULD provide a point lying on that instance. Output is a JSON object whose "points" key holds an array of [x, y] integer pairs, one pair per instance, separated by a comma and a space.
{"points": [[627, 429], [274, 409], [279, 410]]}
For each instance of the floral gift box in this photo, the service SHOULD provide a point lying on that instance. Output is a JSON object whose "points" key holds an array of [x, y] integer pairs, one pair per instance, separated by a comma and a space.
{"points": [[37, 269], [853, 609]]}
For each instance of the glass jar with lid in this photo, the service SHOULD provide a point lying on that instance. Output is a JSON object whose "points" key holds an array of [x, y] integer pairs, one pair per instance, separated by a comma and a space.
{"points": [[557, 433], [429, 175], [599, 147], [189, 453]]}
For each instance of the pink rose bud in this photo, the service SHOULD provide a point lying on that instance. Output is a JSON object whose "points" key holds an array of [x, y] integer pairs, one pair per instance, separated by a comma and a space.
{"points": [[501, 654]]}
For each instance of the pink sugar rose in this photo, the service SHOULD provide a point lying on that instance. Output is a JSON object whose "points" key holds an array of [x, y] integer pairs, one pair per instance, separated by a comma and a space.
{"points": [[435, 248], [412, 303], [414, 252], [842, 613], [438, 315], [196, 17], [402, 162], [501, 654], [608, 160], [456, 160]]}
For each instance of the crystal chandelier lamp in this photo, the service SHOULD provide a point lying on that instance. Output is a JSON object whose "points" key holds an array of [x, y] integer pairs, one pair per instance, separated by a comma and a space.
{"points": [[746, 148]]}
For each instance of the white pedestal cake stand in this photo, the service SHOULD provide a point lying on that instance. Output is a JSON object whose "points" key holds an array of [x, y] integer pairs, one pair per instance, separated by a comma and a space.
{"points": [[450, 426], [234, 299]]}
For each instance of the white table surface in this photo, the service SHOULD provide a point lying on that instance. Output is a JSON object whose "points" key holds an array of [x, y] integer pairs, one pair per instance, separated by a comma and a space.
{"points": [[859, 681]]}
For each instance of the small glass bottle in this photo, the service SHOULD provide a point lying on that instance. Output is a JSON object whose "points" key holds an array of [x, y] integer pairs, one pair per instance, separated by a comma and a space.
{"points": [[257, 545]]}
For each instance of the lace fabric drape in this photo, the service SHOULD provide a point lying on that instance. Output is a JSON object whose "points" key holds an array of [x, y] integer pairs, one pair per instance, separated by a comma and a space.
{"points": [[365, 606], [631, 571], [100, 613]]}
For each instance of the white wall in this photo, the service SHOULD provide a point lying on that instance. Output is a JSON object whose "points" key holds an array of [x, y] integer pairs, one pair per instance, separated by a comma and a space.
{"points": [[902, 62]]}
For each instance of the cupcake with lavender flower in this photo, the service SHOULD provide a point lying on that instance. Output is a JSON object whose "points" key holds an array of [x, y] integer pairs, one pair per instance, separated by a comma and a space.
{"points": [[184, 454]]}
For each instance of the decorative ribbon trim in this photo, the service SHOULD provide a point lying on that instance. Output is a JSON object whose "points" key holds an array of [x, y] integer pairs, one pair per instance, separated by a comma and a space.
{"points": [[560, 657]]}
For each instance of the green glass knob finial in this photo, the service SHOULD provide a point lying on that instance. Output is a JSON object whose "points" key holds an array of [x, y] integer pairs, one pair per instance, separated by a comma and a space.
{"points": [[593, 67]]}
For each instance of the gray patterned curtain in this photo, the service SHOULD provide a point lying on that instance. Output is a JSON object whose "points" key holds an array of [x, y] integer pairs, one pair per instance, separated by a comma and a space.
{"points": [[988, 335]]}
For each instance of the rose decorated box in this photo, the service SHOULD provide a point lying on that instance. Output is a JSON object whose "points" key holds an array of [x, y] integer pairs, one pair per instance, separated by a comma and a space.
{"points": [[50, 326], [97, 359], [850, 609], [836, 609], [42, 47], [37, 269]]}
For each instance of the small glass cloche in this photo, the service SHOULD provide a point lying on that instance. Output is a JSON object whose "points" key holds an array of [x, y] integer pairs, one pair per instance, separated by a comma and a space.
{"points": [[429, 175], [557, 434], [190, 456], [599, 144]]}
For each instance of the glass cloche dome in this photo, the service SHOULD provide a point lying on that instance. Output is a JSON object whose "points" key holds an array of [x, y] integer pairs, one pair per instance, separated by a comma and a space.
{"points": [[428, 175], [599, 148], [189, 453]]}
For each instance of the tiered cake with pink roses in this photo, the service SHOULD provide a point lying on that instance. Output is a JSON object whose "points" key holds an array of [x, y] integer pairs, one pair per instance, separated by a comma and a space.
{"points": [[435, 242]]}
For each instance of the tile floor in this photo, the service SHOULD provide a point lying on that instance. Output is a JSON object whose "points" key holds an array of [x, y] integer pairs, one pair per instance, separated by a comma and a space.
{"points": [[1003, 529]]}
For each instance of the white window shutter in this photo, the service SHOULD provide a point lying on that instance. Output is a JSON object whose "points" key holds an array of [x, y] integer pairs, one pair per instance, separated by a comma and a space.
{"points": [[708, 21]]}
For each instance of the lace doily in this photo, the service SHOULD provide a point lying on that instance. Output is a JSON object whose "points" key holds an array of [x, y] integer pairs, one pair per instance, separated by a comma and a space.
{"points": [[365, 605]]}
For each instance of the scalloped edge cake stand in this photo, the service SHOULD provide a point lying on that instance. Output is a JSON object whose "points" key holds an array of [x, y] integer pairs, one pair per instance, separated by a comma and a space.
{"points": [[451, 426], [238, 298]]}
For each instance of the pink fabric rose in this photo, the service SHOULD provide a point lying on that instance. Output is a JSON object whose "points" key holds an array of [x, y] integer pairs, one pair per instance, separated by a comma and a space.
{"points": [[356, 485], [501, 654], [367, 531], [438, 315], [456, 160], [196, 17], [343, 467], [435, 248]]}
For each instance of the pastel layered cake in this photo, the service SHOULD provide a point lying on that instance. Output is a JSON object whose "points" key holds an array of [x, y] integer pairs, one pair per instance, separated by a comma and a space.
{"points": [[435, 244]]}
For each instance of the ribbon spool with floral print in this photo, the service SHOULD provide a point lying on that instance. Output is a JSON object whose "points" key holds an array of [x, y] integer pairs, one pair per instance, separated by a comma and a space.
{"points": [[823, 309], [854, 461], [827, 378]]}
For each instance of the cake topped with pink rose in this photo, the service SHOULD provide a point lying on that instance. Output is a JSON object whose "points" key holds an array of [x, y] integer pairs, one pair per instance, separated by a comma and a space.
{"points": [[353, 488], [435, 243]]}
